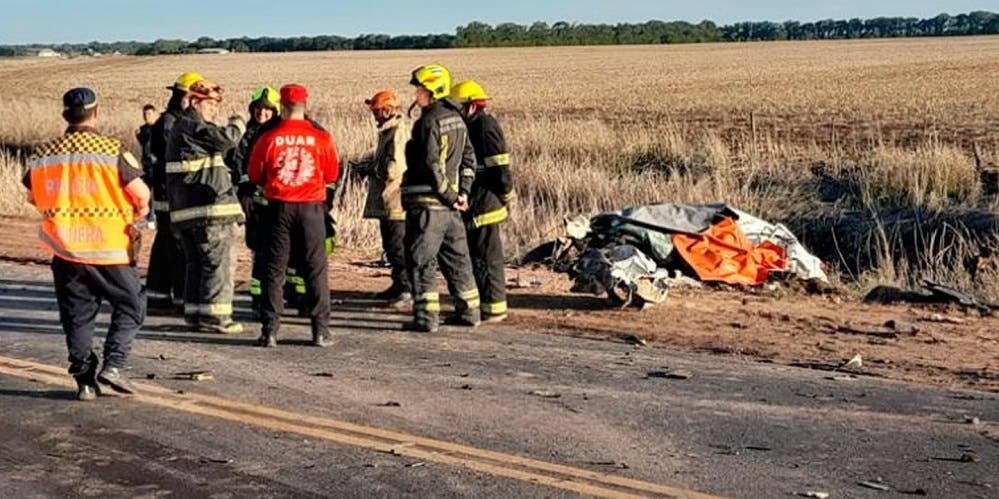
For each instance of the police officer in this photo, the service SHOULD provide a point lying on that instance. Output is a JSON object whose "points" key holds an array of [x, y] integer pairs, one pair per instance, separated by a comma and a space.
{"points": [[165, 279], [89, 191], [440, 170], [384, 202], [491, 195], [204, 208]]}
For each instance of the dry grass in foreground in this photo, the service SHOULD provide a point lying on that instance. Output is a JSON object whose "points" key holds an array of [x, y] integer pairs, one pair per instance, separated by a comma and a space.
{"points": [[599, 128]]}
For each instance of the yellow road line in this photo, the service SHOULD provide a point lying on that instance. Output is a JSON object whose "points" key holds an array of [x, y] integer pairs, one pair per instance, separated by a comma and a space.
{"points": [[494, 463]]}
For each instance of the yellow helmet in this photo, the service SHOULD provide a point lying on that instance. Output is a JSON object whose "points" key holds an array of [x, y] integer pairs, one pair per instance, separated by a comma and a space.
{"points": [[185, 81], [468, 91], [433, 77], [267, 97]]}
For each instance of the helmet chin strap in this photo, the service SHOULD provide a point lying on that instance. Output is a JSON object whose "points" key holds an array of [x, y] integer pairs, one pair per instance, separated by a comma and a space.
{"points": [[412, 106]]}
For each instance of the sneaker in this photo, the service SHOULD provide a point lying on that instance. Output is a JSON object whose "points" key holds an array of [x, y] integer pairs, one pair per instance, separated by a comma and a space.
{"points": [[112, 377], [322, 341], [228, 327]]}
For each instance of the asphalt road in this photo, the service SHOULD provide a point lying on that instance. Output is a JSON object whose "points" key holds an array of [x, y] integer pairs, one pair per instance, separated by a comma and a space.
{"points": [[730, 428]]}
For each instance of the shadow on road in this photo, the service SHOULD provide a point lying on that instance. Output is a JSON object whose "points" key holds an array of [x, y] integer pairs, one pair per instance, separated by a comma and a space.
{"points": [[555, 302], [39, 394]]}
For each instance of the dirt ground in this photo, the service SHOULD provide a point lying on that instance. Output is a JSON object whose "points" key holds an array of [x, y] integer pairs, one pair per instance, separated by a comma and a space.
{"points": [[937, 345]]}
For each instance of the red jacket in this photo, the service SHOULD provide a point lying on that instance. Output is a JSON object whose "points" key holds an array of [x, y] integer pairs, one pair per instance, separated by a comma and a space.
{"points": [[294, 162]]}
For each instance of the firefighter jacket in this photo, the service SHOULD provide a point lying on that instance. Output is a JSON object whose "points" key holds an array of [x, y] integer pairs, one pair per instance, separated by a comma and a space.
{"points": [[199, 183], [385, 173], [78, 185], [492, 190], [440, 161], [157, 157], [295, 162]]}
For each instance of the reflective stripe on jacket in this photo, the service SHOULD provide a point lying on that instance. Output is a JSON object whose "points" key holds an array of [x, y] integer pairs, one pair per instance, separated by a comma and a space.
{"points": [[493, 187], [76, 183], [440, 160], [199, 183]]}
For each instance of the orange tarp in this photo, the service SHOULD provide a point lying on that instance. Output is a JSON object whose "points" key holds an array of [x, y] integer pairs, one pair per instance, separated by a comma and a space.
{"points": [[723, 253]]}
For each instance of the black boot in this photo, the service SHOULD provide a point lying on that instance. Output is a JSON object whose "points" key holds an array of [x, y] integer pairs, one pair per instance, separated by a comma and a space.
{"points": [[112, 377], [267, 339]]}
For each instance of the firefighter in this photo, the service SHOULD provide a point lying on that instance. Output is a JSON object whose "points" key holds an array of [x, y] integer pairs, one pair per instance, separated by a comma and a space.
{"points": [[384, 202], [490, 198], [440, 164], [295, 161], [204, 208], [165, 279], [89, 191], [265, 106]]}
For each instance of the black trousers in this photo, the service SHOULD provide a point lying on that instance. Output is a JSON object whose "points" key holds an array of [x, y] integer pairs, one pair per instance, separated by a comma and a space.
{"points": [[486, 247], [434, 236], [306, 223], [80, 289], [165, 279], [208, 286], [394, 245]]}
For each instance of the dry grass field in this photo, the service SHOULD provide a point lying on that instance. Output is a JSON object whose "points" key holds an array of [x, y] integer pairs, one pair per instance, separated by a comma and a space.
{"points": [[602, 128]]}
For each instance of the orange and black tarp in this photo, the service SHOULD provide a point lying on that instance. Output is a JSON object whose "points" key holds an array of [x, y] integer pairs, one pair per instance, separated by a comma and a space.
{"points": [[723, 253]]}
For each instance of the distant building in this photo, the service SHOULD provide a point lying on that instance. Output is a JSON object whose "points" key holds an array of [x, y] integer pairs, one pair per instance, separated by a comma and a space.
{"points": [[217, 50], [48, 53]]}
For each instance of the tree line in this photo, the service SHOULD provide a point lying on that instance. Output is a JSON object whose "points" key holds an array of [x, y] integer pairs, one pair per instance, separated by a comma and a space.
{"points": [[478, 34]]}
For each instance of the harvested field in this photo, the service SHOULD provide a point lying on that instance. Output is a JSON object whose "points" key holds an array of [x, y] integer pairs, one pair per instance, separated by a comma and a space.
{"points": [[597, 128]]}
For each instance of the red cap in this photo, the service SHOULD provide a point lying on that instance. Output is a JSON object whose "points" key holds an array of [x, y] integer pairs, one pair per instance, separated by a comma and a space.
{"points": [[294, 94]]}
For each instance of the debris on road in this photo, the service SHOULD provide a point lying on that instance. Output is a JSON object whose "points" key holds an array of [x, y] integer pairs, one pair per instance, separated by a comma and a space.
{"points": [[930, 293], [876, 485], [902, 328], [634, 339], [545, 394], [207, 460], [195, 376], [323, 375], [974, 421], [669, 374], [612, 464], [942, 319], [814, 494], [967, 457], [856, 362], [390, 404], [418, 464]]}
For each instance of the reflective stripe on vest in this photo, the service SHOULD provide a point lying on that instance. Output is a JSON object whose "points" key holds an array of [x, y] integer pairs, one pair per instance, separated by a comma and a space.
{"points": [[61, 159], [491, 217], [96, 257], [161, 205], [209, 211], [76, 186], [193, 165]]}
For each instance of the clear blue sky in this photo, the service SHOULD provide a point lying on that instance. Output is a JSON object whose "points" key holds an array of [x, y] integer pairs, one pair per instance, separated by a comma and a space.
{"points": [[50, 21]]}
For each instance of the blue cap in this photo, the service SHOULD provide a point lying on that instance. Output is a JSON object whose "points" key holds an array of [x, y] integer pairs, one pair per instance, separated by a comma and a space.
{"points": [[79, 98]]}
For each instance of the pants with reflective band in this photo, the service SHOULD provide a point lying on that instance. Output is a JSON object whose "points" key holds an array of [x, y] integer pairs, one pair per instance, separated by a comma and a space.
{"points": [[165, 278], [394, 245], [208, 283], [486, 246], [432, 237], [80, 289], [304, 222]]}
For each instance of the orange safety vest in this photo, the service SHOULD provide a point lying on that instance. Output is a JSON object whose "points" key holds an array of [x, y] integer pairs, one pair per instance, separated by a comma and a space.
{"points": [[76, 186]]}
